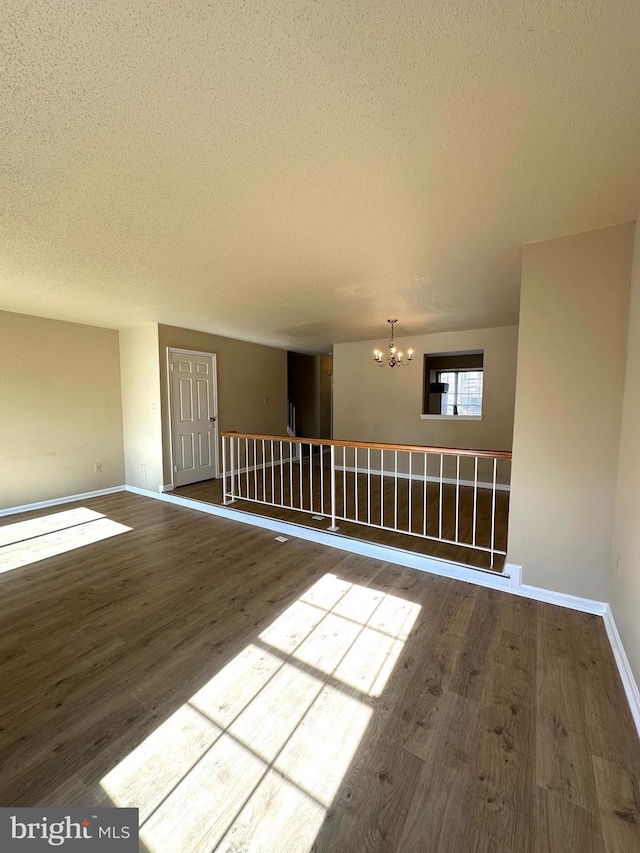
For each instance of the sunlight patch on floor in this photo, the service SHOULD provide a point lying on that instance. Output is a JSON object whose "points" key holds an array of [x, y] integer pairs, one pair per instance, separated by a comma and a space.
{"points": [[27, 542], [370, 625], [20, 530], [154, 768], [254, 759]]}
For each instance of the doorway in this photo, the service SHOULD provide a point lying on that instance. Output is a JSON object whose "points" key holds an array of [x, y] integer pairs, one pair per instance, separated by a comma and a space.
{"points": [[309, 384]]}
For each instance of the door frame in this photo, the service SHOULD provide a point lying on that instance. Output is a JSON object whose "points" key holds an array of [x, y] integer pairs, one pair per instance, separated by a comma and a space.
{"points": [[214, 375]]}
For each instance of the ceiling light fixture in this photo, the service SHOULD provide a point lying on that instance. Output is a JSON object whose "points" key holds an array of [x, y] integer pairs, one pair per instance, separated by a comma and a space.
{"points": [[394, 359]]}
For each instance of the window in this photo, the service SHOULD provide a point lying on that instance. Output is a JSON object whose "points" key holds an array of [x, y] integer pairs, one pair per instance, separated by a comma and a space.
{"points": [[464, 396], [453, 384]]}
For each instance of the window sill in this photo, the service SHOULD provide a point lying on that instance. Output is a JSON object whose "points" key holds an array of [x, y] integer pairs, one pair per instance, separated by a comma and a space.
{"points": [[451, 417]]}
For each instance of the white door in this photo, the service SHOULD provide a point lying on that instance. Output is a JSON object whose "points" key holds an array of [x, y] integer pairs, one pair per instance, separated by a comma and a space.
{"points": [[194, 416]]}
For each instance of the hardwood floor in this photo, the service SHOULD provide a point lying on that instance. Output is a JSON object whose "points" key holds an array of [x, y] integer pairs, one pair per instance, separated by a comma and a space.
{"points": [[383, 506], [252, 695]]}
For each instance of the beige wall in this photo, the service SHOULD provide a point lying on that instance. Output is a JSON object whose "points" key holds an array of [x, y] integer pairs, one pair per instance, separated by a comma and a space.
{"points": [[247, 374], [141, 406], [625, 581], [59, 409], [571, 362], [380, 404]]}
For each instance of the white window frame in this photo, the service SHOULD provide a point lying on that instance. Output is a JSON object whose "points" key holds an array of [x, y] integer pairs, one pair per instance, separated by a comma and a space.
{"points": [[456, 372], [429, 417]]}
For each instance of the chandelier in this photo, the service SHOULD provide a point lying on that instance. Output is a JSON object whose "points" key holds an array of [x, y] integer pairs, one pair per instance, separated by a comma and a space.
{"points": [[394, 359]]}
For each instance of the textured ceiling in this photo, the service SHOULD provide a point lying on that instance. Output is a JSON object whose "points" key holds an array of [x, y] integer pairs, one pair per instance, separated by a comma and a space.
{"points": [[296, 173]]}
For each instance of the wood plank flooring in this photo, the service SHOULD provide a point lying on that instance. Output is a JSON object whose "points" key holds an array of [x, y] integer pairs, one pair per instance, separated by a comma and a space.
{"points": [[251, 695], [387, 506]]}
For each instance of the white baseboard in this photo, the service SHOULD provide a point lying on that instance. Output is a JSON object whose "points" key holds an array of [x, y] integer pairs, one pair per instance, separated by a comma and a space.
{"points": [[624, 667], [449, 481], [510, 580], [14, 510], [387, 554], [550, 596], [249, 469], [145, 493], [169, 487]]}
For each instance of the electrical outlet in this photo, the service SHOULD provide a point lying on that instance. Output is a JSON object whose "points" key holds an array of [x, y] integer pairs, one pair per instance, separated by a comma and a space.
{"points": [[98, 468], [143, 468]]}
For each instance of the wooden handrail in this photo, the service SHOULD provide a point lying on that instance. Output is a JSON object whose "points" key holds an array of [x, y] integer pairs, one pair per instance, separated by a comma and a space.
{"points": [[374, 445]]}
